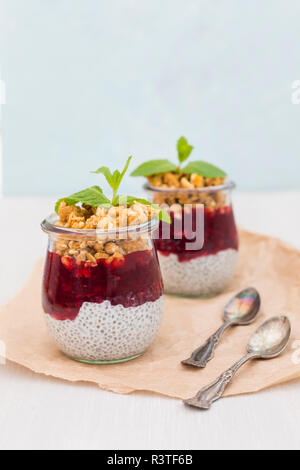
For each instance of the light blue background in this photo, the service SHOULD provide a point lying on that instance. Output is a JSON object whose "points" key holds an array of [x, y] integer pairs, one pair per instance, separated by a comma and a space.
{"points": [[89, 82]]}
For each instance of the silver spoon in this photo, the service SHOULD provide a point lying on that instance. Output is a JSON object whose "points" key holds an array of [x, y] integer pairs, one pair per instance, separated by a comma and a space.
{"points": [[241, 310], [269, 341]]}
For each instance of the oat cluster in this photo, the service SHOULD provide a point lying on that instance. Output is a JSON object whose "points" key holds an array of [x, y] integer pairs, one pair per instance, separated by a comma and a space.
{"points": [[176, 199], [87, 217], [89, 249], [177, 180]]}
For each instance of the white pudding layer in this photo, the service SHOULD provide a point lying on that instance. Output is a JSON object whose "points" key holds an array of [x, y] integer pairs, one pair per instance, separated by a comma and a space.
{"points": [[203, 276], [104, 332]]}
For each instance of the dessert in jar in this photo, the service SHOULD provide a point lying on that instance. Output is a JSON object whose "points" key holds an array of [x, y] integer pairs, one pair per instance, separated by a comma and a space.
{"points": [[102, 287], [199, 255]]}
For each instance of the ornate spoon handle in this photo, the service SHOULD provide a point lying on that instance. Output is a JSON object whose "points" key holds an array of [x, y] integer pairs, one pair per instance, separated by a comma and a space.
{"points": [[205, 398], [205, 353]]}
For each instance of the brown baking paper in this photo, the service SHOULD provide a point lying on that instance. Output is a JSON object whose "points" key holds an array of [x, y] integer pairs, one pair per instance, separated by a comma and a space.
{"points": [[265, 263]]}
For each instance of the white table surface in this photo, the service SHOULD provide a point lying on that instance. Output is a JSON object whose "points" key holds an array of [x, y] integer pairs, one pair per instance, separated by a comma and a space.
{"points": [[37, 412]]}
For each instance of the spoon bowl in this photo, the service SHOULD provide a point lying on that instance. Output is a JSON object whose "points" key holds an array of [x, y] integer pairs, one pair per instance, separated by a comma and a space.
{"points": [[271, 338], [268, 342], [243, 308]]}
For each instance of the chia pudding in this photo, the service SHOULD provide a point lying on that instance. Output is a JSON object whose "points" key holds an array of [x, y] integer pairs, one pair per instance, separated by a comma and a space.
{"points": [[107, 331], [209, 274], [102, 288]]}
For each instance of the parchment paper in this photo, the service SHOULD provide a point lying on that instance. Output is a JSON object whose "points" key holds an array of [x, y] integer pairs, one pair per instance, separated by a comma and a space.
{"points": [[265, 263]]}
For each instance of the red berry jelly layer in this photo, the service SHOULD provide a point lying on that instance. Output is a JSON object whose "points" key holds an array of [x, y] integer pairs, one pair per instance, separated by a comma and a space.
{"points": [[130, 281], [220, 234]]}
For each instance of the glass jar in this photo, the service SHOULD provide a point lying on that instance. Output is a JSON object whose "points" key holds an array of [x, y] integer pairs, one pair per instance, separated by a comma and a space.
{"points": [[102, 291], [198, 254]]}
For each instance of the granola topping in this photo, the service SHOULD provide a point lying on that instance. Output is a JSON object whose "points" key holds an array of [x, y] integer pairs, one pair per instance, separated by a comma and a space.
{"points": [[213, 201], [176, 199], [87, 217], [179, 180], [88, 250], [92, 251]]}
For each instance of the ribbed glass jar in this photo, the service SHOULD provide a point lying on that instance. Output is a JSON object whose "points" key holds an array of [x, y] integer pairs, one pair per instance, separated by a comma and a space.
{"points": [[102, 291], [198, 257]]}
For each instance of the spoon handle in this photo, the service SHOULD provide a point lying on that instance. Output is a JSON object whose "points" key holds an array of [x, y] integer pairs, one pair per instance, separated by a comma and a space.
{"points": [[201, 356], [208, 395]]}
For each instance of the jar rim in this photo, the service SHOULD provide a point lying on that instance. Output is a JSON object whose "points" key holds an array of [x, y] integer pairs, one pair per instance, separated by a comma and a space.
{"points": [[228, 185], [48, 226]]}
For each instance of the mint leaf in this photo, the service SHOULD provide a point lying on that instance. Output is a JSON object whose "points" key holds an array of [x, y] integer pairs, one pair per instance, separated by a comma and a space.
{"points": [[184, 149], [107, 173], [164, 216], [68, 200], [154, 167], [204, 169], [114, 180], [92, 197], [125, 168], [130, 200], [117, 179], [125, 200]]}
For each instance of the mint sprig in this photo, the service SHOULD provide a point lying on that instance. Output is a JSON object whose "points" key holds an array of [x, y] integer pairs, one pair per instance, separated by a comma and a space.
{"points": [[91, 196], [114, 179], [184, 149], [95, 197]]}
